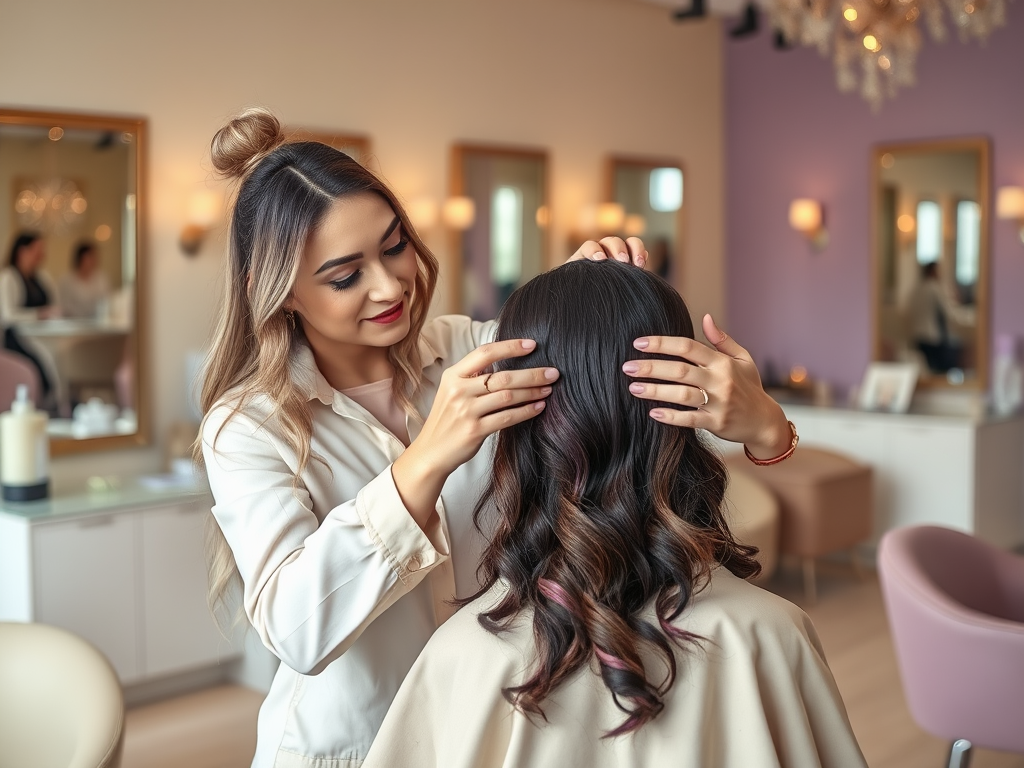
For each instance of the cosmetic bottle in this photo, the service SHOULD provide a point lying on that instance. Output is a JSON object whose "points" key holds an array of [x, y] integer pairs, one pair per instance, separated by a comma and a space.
{"points": [[24, 451], [1007, 377]]}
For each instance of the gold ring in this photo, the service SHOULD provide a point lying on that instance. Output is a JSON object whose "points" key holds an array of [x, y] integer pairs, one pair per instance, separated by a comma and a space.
{"points": [[487, 378], [703, 392]]}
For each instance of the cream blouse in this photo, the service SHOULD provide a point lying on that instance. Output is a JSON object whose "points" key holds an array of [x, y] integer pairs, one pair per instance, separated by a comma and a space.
{"points": [[758, 694], [338, 580]]}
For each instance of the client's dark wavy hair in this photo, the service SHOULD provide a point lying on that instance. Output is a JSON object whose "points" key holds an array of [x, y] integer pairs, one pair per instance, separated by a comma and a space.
{"points": [[601, 509]]}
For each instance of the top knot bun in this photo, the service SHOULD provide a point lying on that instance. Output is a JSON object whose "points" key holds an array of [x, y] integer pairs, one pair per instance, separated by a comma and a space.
{"points": [[246, 139]]}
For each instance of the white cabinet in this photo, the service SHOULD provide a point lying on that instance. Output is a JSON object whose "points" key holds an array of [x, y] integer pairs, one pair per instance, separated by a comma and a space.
{"points": [[177, 629], [84, 580], [959, 472], [125, 571]]}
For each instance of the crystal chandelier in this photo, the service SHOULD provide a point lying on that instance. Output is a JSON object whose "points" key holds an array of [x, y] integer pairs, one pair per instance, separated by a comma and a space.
{"points": [[875, 42]]}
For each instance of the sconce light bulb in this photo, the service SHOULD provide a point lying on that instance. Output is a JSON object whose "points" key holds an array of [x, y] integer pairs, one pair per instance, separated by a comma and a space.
{"points": [[610, 217], [458, 212]]}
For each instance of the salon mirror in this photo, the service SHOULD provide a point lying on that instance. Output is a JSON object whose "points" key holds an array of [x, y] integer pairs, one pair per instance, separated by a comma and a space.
{"points": [[646, 196], [69, 302], [931, 222], [498, 215]]}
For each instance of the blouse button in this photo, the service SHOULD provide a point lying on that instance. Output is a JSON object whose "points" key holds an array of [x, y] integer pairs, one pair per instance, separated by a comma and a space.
{"points": [[414, 563]]}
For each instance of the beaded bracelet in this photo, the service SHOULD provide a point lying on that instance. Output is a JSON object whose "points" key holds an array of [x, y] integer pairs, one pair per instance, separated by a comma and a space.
{"points": [[777, 459]]}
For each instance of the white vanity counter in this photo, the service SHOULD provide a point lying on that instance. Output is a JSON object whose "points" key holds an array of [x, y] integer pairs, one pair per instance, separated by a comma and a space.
{"points": [[122, 568], [961, 471]]}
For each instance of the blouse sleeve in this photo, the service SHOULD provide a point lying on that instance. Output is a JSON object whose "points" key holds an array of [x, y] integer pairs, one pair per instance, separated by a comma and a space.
{"points": [[12, 300], [309, 588]]}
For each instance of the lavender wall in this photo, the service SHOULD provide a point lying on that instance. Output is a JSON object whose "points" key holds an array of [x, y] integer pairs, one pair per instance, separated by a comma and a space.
{"points": [[791, 134]]}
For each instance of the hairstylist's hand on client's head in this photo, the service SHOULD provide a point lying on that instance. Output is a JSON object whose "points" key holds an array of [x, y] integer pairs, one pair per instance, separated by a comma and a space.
{"points": [[720, 386], [471, 404], [631, 250]]}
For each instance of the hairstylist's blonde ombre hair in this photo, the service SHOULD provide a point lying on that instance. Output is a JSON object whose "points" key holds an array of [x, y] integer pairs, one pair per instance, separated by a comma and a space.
{"points": [[284, 191]]}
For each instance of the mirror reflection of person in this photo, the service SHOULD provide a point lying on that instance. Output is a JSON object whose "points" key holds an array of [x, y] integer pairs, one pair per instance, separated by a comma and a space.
{"points": [[82, 290], [931, 313], [343, 433], [614, 600], [27, 293]]}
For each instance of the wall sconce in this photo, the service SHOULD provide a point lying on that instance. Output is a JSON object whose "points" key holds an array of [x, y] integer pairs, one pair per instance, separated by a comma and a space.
{"points": [[635, 225], [806, 217], [458, 213], [610, 217], [423, 212], [1010, 205], [204, 211]]}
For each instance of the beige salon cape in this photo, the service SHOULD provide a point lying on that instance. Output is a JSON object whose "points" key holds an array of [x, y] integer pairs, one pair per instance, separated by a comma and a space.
{"points": [[759, 695]]}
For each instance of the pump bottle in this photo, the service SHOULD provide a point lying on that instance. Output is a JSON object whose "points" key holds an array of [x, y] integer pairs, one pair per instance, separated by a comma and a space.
{"points": [[24, 451]]}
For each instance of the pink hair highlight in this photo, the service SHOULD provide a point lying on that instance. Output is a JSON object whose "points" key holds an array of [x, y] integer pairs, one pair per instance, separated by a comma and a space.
{"points": [[610, 661], [555, 594]]}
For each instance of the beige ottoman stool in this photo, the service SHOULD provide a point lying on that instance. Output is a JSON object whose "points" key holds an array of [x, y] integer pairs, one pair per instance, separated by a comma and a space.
{"points": [[826, 501], [753, 515]]}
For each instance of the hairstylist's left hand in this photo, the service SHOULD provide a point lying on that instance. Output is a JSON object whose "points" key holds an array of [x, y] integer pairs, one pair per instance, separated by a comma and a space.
{"points": [[736, 407], [631, 250]]}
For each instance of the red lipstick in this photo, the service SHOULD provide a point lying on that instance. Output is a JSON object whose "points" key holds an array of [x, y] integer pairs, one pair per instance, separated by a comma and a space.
{"points": [[390, 315]]}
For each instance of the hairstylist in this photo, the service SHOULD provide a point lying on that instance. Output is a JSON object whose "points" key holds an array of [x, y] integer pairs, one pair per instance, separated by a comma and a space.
{"points": [[342, 435]]}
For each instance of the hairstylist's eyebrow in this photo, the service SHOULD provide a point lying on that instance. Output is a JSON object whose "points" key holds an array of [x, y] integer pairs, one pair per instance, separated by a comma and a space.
{"points": [[331, 263]]}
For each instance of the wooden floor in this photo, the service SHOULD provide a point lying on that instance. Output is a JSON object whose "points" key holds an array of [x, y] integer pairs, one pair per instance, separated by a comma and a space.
{"points": [[216, 728]]}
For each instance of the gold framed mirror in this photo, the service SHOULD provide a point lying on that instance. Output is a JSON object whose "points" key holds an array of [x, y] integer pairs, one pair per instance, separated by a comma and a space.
{"points": [[72, 223], [931, 218], [646, 200], [498, 215]]}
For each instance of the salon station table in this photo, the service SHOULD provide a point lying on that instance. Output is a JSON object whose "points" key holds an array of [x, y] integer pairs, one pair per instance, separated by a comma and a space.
{"points": [[76, 351], [123, 568], [959, 470]]}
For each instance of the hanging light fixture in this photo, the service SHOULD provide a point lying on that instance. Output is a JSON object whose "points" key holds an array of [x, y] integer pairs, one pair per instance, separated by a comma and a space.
{"points": [[874, 43]]}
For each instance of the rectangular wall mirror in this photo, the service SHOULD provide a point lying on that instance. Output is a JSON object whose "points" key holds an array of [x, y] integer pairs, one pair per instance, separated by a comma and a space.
{"points": [[498, 213], [71, 223], [646, 196], [931, 221]]}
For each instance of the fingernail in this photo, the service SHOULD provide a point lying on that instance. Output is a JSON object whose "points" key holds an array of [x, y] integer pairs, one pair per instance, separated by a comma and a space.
{"points": [[623, 257], [636, 388], [550, 374], [630, 367], [641, 260], [539, 405], [529, 343], [600, 256], [641, 343], [657, 414], [545, 390]]}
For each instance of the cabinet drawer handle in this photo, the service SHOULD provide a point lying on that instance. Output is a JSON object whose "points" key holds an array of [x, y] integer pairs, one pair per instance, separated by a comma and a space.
{"points": [[96, 522]]}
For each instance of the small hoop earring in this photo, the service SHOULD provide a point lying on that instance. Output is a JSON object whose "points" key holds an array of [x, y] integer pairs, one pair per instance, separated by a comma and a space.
{"points": [[290, 316]]}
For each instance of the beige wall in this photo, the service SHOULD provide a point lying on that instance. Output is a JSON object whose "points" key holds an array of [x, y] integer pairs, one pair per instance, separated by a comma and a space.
{"points": [[582, 78]]}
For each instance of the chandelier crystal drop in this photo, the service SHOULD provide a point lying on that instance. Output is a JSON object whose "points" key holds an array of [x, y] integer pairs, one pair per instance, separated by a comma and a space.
{"points": [[874, 43]]}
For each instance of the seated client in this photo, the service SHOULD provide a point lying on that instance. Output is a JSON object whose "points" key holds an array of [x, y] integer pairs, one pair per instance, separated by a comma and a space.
{"points": [[614, 626]]}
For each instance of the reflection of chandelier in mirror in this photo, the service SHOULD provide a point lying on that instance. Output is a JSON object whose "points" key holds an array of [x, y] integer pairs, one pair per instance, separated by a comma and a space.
{"points": [[875, 42], [52, 205]]}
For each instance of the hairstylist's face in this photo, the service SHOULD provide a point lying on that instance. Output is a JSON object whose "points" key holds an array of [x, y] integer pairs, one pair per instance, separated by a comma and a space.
{"points": [[356, 278], [30, 257]]}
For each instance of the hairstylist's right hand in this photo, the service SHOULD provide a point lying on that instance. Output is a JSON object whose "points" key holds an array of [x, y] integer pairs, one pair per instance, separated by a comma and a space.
{"points": [[471, 404]]}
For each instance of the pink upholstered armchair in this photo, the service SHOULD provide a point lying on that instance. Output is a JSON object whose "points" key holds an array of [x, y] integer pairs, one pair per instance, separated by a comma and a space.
{"points": [[15, 370], [956, 610]]}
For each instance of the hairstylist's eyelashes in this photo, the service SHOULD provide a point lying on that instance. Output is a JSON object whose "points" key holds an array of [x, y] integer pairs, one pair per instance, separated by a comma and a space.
{"points": [[346, 282], [394, 250]]}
